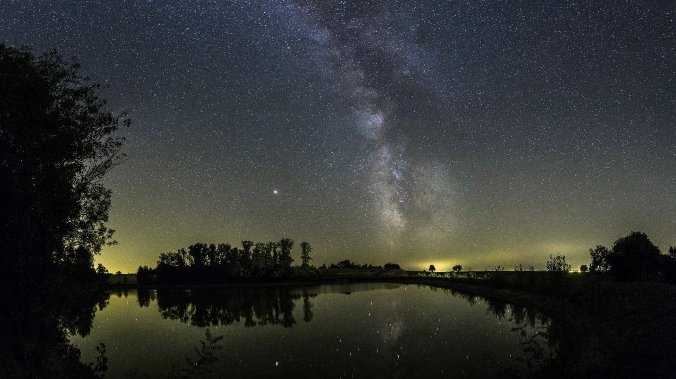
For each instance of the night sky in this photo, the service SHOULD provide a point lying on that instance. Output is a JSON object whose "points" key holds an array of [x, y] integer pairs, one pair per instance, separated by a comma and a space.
{"points": [[479, 133]]}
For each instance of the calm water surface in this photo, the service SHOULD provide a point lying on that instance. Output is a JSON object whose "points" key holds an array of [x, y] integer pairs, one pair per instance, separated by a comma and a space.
{"points": [[351, 330]]}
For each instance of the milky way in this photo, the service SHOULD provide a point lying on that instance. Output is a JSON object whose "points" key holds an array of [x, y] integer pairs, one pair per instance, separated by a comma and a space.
{"points": [[447, 132], [374, 66]]}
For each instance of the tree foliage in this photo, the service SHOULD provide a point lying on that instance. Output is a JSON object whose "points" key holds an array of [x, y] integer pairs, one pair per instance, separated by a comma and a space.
{"points": [[202, 262], [634, 257], [599, 259], [306, 249], [57, 142], [557, 264], [457, 268]]}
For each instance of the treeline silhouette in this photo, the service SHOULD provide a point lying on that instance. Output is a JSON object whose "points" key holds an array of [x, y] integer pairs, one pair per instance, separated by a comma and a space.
{"points": [[347, 264], [205, 263], [631, 258], [214, 263]]}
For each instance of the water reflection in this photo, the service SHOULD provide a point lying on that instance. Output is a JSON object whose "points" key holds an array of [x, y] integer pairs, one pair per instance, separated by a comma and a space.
{"points": [[251, 306], [205, 356], [36, 327], [539, 347], [367, 333]]}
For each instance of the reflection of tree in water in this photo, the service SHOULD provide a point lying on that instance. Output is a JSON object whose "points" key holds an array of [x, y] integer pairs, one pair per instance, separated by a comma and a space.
{"points": [[307, 307], [205, 356], [252, 306], [537, 347], [198, 363], [120, 292], [35, 330], [144, 296], [539, 337]]}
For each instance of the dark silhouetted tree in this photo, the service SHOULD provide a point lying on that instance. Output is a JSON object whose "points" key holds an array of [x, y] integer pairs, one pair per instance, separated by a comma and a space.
{"points": [[56, 144], [306, 249], [667, 265], [432, 268], [144, 275], [599, 259], [197, 254], [634, 257], [457, 268], [222, 253], [584, 268], [102, 273], [344, 264], [245, 255], [101, 269], [557, 263], [271, 254], [232, 258], [212, 254], [259, 261], [392, 266], [285, 249]]}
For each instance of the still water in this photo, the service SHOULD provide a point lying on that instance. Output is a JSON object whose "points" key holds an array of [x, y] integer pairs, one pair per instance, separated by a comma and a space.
{"points": [[334, 331]]}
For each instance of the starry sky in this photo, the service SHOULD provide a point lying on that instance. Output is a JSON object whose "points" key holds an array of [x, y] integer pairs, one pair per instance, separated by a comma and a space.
{"points": [[479, 133]]}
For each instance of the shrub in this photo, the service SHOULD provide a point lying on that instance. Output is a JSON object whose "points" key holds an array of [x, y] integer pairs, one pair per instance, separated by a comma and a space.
{"points": [[557, 264]]}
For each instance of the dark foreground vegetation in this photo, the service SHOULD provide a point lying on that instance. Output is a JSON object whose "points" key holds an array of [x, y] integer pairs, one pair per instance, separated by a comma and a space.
{"points": [[56, 143]]}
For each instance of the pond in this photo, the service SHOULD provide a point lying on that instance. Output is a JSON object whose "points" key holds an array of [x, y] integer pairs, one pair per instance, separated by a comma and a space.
{"points": [[337, 330]]}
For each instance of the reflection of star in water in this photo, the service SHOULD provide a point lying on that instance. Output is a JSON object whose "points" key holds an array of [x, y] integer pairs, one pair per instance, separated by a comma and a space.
{"points": [[275, 192]]}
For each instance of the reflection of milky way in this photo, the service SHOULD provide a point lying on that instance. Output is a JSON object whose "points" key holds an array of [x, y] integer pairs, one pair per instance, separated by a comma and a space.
{"points": [[393, 330]]}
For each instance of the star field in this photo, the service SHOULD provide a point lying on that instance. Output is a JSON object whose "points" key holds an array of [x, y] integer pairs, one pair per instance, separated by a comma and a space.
{"points": [[447, 132]]}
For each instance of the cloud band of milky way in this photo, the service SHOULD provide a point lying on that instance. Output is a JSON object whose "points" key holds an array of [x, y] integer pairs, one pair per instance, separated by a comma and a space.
{"points": [[375, 69]]}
